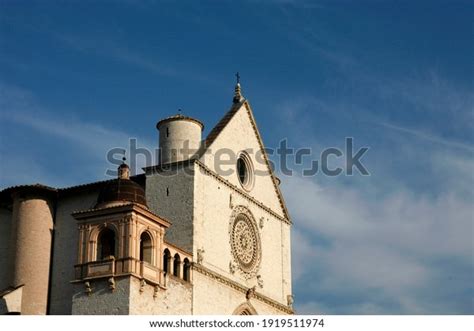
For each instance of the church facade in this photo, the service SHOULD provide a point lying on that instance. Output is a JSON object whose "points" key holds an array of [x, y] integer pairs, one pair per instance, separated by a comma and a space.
{"points": [[191, 235]]}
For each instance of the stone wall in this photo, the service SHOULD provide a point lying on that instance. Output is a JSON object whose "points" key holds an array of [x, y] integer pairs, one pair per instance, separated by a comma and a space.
{"points": [[239, 135], [174, 300], [176, 135], [130, 297], [211, 234], [170, 195], [214, 298], [65, 249], [216, 198], [102, 300]]}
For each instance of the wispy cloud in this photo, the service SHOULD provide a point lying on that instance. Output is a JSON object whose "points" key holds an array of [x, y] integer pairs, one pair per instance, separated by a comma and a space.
{"points": [[110, 46], [381, 245], [429, 137], [20, 109], [111, 49], [397, 246]]}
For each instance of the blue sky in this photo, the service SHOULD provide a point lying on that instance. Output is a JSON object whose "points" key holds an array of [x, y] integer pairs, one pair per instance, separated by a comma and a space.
{"points": [[78, 78]]}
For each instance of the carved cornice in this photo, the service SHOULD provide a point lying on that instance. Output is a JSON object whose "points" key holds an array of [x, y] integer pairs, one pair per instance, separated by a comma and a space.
{"points": [[240, 191], [236, 286], [90, 214]]}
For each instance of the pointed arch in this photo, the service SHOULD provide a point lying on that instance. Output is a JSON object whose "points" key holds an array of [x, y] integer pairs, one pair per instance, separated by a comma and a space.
{"points": [[245, 308]]}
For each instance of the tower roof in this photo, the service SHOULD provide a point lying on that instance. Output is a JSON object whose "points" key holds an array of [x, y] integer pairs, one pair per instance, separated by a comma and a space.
{"points": [[122, 189], [179, 117]]}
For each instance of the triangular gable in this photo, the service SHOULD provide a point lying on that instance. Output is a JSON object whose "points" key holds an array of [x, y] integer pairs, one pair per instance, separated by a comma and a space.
{"points": [[218, 129], [222, 124]]}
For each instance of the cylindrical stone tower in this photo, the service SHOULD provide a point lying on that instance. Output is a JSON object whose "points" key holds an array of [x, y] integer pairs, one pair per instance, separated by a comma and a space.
{"points": [[32, 227], [180, 138]]}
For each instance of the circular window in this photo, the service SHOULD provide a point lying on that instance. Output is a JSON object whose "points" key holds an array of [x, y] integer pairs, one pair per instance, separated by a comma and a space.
{"points": [[245, 171], [245, 241]]}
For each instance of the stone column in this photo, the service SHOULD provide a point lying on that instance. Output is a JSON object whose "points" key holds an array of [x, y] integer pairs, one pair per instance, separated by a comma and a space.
{"points": [[31, 247], [171, 265]]}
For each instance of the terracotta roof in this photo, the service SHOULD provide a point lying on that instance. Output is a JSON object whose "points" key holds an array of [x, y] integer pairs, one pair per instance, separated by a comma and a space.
{"points": [[37, 185], [85, 186], [122, 190], [140, 179], [179, 117], [85, 211], [6, 194], [167, 166]]}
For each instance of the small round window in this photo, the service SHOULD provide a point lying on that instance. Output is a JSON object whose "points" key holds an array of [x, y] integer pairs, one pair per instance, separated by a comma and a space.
{"points": [[245, 171]]}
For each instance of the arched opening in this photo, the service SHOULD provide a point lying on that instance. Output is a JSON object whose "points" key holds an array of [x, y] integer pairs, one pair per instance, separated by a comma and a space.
{"points": [[166, 261], [106, 244], [186, 270], [176, 265], [245, 309], [146, 248]]}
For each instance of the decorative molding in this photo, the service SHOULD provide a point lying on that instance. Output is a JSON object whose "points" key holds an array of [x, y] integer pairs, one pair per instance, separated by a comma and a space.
{"points": [[250, 293], [238, 287], [260, 281], [95, 215], [232, 267]]}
